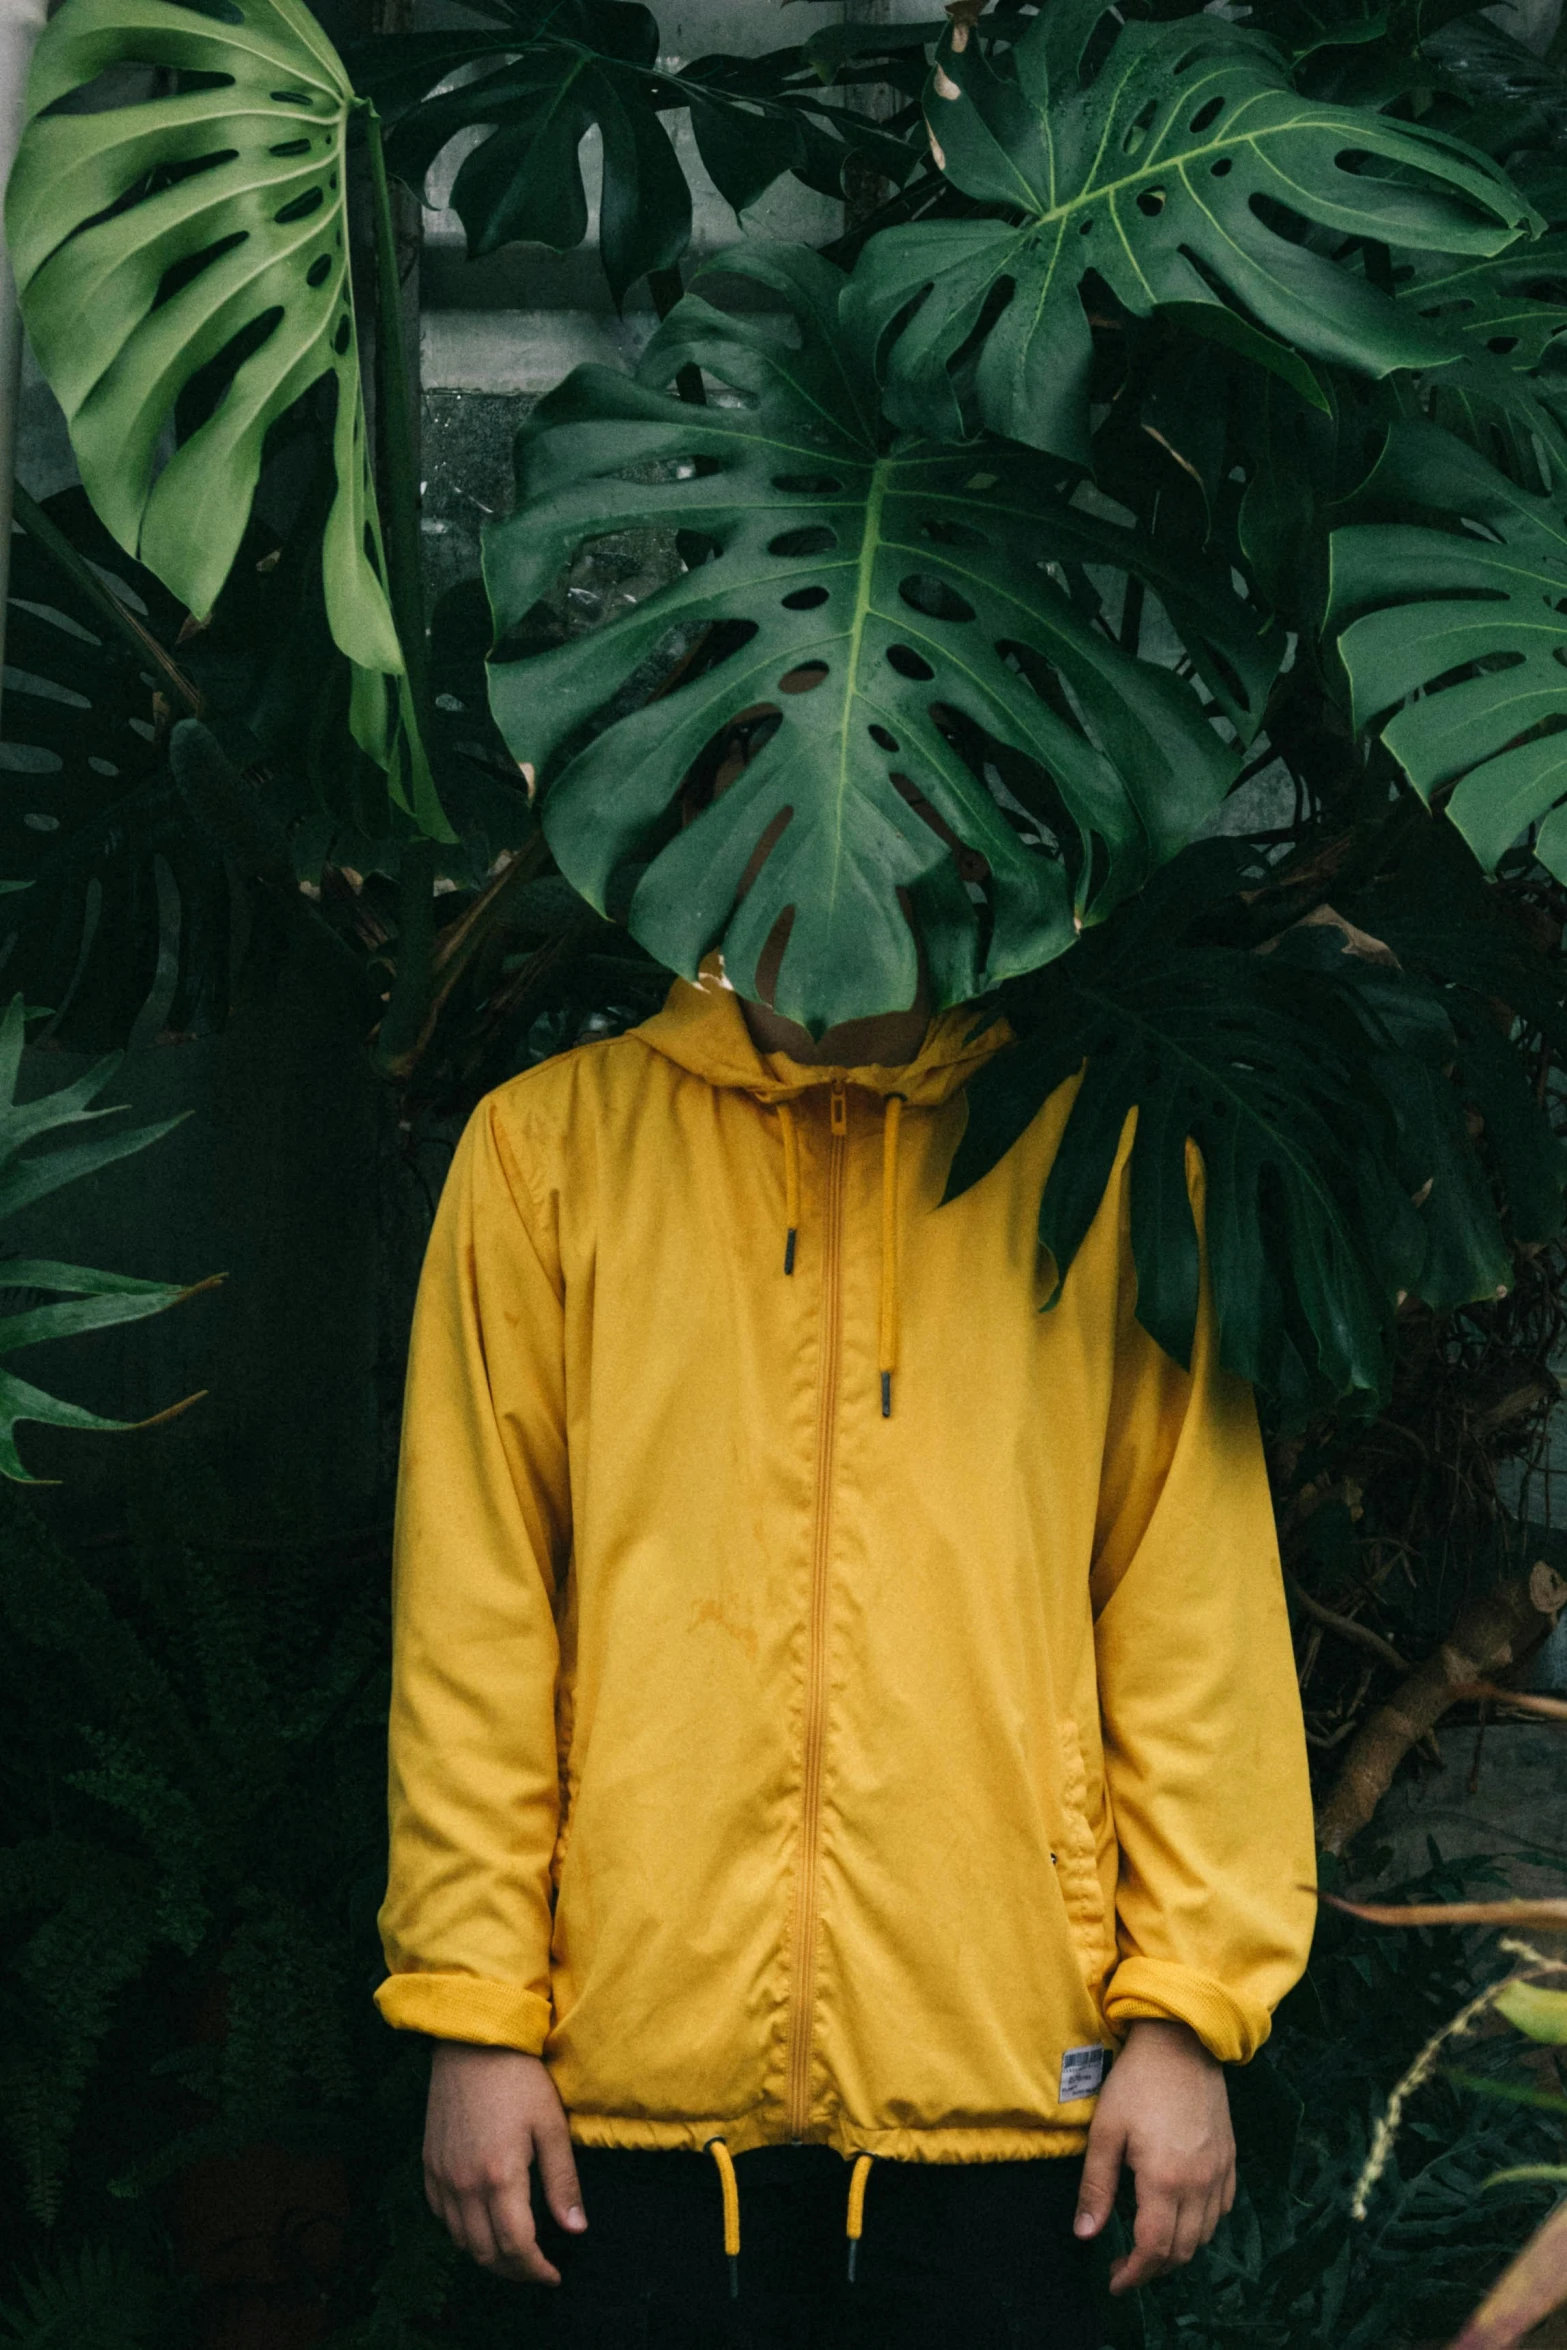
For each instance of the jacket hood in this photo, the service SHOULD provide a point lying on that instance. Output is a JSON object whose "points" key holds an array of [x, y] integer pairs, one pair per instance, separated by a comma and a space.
{"points": [[702, 1029]]}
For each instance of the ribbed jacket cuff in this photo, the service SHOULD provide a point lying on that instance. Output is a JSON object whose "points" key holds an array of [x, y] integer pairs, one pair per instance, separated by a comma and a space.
{"points": [[466, 2007], [1154, 1987]]}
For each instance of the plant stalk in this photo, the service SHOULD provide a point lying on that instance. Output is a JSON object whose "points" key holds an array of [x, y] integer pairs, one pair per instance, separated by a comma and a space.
{"points": [[394, 416], [409, 1000], [666, 289], [105, 603]]}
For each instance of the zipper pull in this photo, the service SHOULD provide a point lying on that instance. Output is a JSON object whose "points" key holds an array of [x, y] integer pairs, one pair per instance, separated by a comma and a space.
{"points": [[839, 1109]]}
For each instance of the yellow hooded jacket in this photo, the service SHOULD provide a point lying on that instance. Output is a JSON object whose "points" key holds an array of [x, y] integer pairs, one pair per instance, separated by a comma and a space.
{"points": [[832, 1697]]}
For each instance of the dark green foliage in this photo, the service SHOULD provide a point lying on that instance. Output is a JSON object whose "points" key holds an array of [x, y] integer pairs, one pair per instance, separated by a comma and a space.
{"points": [[923, 588], [558, 67], [90, 812], [1464, 625], [1325, 1092], [1174, 169]]}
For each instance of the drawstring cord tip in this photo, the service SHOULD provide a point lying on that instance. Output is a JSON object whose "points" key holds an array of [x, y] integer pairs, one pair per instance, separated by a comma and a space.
{"points": [[734, 2276], [789, 1241], [886, 1395], [855, 2222]]}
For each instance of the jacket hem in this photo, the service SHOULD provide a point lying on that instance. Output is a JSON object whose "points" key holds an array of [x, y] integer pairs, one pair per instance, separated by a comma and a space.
{"points": [[941, 2142]]}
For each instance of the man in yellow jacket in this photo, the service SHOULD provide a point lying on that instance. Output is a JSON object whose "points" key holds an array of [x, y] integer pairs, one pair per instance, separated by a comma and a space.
{"points": [[838, 1707]]}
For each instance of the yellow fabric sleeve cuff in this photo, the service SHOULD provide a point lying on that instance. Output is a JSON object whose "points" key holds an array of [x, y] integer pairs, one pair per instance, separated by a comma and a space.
{"points": [[466, 2007], [1153, 1987]]}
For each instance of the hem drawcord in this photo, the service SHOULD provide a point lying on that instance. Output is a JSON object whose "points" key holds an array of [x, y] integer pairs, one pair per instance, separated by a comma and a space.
{"points": [[855, 2225], [731, 2193]]}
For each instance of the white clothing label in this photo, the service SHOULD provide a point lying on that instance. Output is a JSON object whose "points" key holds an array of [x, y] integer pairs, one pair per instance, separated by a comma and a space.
{"points": [[1082, 2070]]}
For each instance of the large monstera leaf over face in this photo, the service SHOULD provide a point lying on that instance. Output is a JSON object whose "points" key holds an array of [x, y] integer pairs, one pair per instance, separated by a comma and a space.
{"points": [[917, 619], [1467, 643], [164, 243], [1183, 172]]}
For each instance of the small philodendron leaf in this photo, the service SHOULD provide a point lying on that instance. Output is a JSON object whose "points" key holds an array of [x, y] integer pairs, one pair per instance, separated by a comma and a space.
{"points": [[551, 71], [1183, 171], [182, 260], [1313, 1085], [1533, 2009], [1468, 644], [915, 624], [90, 1300]]}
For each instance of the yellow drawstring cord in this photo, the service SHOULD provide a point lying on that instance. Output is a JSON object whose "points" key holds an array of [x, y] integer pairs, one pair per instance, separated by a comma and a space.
{"points": [[888, 1348], [726, 2175], [791, 1148], [856, 2222]]}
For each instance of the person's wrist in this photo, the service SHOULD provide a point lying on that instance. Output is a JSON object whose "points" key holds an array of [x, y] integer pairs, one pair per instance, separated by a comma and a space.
{"points": [[1170, 2032]]}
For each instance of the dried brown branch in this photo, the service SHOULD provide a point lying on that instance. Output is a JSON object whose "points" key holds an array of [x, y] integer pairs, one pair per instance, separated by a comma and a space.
{"points": [[1496, 1630]]}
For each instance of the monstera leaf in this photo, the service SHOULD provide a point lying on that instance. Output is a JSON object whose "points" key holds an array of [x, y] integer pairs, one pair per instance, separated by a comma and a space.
{"points": [[553, 69], [916, 622], [183, 259], [1470, 639], [1182, 173], [1317, 1089], [90, 811]]}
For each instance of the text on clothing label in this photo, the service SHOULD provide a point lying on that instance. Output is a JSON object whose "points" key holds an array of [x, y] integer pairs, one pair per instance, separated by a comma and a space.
{"points": [[1082, 2070]]}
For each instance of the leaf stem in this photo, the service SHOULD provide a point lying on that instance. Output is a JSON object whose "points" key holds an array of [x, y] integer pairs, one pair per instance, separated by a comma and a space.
{"points": [[666, 289], [413, 984], [104, 601], [394, 416]]}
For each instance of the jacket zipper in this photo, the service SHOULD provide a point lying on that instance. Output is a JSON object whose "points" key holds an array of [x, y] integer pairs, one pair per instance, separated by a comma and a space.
{"points": [[804, 1953]]}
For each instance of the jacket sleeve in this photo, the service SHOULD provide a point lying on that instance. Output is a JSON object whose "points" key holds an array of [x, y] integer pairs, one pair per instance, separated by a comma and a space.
{"points": [[480, 1544], [1205, 1755]]}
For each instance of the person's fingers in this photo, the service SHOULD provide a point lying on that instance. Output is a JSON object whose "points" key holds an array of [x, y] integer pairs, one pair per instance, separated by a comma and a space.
{"points": [[1153, 2238], [558, 2171], [1135, 2268], [1101, 2175], [1192, 2228], [1227, 2198], [448, 2211], [477, 2237], [517, 2251]]}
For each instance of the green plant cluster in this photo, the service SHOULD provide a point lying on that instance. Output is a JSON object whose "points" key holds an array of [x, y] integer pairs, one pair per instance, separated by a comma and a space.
{"points": [[1172, 445]]}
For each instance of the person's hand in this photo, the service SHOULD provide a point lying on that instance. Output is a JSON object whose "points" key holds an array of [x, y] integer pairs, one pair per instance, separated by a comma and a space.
{"points": [[492, 2111], [1164, 2110]]}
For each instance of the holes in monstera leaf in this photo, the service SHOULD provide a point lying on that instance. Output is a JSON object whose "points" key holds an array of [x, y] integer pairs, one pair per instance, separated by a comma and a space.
{"points": [[1223, 168], [881, 737], [1151, 202], [812, 538], [200, 394], [923, 592], [181, 273], [320, 270], [291, 147], [1209, 112], [803, 679], [910, 664], [300, 207], [807, 485], [804, 599], [1138, 128]]}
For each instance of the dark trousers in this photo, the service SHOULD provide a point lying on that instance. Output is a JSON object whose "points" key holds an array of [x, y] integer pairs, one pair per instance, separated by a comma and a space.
{"points": [[953, 2256]]}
